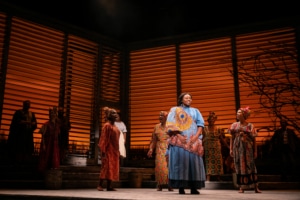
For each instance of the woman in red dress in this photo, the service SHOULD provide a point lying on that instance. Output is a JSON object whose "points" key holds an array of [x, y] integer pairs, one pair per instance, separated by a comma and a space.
{"points": [[49, 149], [109, 149]]}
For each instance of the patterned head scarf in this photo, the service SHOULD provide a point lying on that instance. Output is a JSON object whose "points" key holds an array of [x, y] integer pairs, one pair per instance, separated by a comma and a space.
{"points": [[246, 112]]}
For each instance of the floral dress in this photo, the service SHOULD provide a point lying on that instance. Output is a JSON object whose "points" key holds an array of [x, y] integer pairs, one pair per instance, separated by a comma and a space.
{"points": [[243, 152], [159, 142]]}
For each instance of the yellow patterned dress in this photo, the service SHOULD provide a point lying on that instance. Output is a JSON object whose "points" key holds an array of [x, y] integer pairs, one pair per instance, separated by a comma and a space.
{"points": [[159, 142], [213, 154]]}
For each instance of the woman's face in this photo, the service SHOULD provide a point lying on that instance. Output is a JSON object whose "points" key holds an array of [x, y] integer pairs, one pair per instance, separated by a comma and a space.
{"points": [[211, 119], [187, 100], [113, 115], [239, 115], [162, 118]]}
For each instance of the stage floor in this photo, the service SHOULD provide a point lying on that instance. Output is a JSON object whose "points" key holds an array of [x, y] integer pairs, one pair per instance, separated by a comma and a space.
{"points": [[145, 194]]}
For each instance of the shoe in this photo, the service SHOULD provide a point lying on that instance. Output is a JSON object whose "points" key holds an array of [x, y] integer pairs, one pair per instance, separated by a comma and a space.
{"points": [[181, 191], [99, 188], [111, 189], [194, 191]]}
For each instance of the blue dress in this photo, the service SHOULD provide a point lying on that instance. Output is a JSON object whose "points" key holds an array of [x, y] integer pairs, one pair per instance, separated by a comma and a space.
{"points": [[186, 167]]}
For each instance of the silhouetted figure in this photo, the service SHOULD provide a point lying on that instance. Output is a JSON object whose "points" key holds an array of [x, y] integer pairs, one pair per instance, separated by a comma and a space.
{"points": [[20, 139], [284, 143], [49, 149], [64, 134]]}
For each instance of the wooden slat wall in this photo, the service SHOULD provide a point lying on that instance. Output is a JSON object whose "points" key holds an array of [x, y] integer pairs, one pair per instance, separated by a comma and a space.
{"points": [[33, 71], [36, 71], [80, 83], [3, 136], [35, 67], [250, 45], [110, 75], [205, 74], [2, 35], [110, 80], [152, 89]]}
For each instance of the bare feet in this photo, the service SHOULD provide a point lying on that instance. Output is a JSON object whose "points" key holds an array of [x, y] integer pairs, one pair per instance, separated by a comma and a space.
{"points": [[207, 177], [257, 190], [159, 188], [241, 190], [99, 188]]}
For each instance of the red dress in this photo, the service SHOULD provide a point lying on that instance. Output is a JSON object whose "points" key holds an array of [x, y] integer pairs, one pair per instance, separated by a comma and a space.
{"points": [[49, 150], [109, 144]]}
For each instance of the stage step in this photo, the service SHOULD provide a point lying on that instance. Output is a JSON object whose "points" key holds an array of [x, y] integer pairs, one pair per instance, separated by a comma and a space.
{"points": [[26, 177]]}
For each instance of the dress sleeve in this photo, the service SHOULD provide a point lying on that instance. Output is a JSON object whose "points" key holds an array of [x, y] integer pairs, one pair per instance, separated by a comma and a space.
{"points": [[104, 138], [253, 131], [231, 128], [124, 128], [199, 118]]}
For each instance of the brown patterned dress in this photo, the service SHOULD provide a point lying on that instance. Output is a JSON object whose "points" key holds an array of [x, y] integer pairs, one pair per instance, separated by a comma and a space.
{"points": [[212, 152]]}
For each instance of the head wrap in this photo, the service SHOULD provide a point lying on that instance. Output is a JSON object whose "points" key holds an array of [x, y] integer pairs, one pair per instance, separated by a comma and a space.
{"points": [[164, 113], [246, 112], [106, 112], [211, 115]]}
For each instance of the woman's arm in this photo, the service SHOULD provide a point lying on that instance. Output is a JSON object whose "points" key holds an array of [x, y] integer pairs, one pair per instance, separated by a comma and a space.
{"points": [[231, 147], [254, 148], [152, 144]]}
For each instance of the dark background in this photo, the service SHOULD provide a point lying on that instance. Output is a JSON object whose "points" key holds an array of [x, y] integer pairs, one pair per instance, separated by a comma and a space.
{"points": [[133, 20]]}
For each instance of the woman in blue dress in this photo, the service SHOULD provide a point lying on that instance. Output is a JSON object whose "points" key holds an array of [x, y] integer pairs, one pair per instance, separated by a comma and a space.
{"points": [[185, 150]]}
